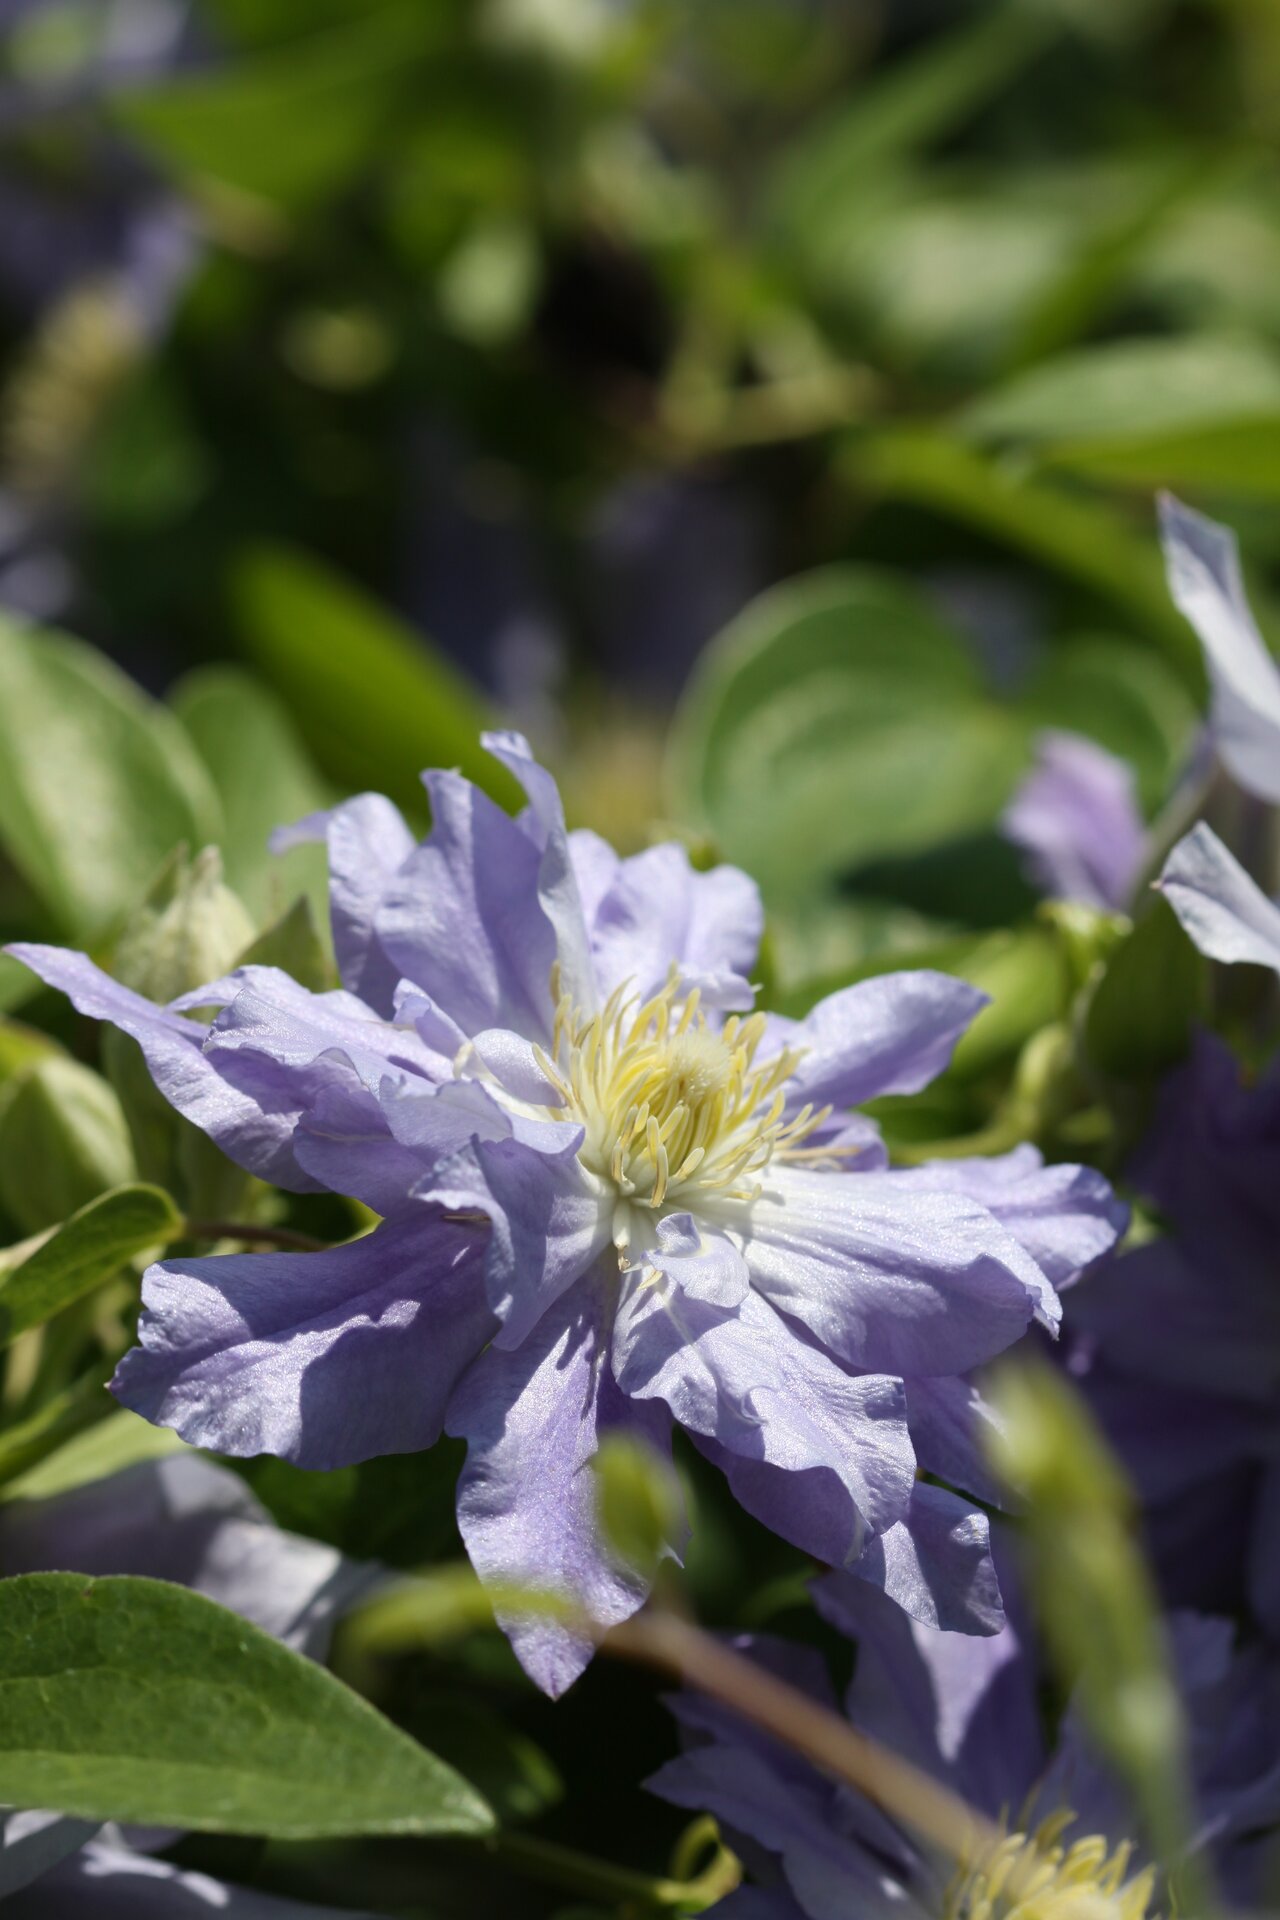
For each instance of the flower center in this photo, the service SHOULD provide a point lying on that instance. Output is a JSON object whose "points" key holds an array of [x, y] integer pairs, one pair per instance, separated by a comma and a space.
{"points": [[674, 1111], [1036, 1877]]}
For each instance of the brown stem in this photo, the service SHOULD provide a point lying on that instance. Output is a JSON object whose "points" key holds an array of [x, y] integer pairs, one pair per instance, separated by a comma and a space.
{"points": [[254, 1235], [660, 1639]]}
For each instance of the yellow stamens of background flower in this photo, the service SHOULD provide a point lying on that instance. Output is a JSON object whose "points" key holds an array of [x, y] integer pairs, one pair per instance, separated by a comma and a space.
{"points": [[1036, 1877]]}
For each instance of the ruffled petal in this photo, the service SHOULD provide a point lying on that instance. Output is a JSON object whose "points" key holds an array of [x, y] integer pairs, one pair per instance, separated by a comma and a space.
{"points": [[1065, 1216], [1203, 564], [935, 1564], [952, 1429], [110, 1881], [822, 1457], [344, 1143], [269, 1016], [1076, 817], [246, 1103], [533, 1420], [368, 842], [891, 1034], [658, 911], [557, 875], [1225, 912], [325, 1359], [888, 1276], [686, 1258]]}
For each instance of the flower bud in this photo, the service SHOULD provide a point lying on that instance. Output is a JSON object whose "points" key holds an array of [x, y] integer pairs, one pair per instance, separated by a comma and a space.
{"points": [[190, 929], [63, 1141], [639, 1499]]}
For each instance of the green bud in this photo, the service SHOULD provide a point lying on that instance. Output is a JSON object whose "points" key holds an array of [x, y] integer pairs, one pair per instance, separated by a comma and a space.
{"points": [[640, 1502], [189, 929], [293, 944], [63, 1141]]}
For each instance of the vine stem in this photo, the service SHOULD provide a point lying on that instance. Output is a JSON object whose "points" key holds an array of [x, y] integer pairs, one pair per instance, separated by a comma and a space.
{"points": [[253, 1235], [599, 1879]]}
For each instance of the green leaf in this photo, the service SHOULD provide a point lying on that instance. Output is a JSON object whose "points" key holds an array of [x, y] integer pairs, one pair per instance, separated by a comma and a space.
{"points": [[265, 779], [1077, 536], [1126, 698], [286, 125], [63, 1141], [122, 1440], [1143, 1008], [376, 703], [130, 1699], [97, 782], [838, 720], [294, 945], [78, 1407], [92, 1246]]}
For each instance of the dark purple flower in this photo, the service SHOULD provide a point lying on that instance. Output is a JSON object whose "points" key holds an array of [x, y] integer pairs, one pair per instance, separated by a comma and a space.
{"points": [[1076, 817], [1180, 1339], [613, 1197], [968, 1712]]}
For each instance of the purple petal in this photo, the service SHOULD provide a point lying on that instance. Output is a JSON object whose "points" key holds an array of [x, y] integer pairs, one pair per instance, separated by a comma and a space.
{"points": [[368, 842], [658, 910], [595, 865], [1264, 1559], [821, 1457], [248, 1106], [892, 1034], [701, 1265], [935, 1564], [1065, 1216], [186, 1520], [33, 1841], [557, 878], [107, 1881], [344, 1143], [274, 1018], [1203, 564], [533, 1420], [1225, 912], [890, 1277], [325, 1359], [1076, 816], [952, 1427], [463, 920]]}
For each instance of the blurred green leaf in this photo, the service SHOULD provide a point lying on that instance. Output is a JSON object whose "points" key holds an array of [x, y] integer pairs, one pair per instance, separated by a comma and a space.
{"points": [[835, 721], [97, 782], [265, 779], [130, 1699], [1067, 531], [190, 929], [1143, 1008], [287, 124], [63, 1141], [92, 1246], [294, 945], [21, 1046], [1126, 698], [121, 1440], [69, 1413], [374, 700]]}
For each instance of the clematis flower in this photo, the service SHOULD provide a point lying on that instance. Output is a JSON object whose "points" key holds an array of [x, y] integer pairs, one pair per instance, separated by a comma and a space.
{"points": [[613, 1197], [1075, 815], [1222, 908], [186, 1520], [969, 1713], [1177, 1344]]}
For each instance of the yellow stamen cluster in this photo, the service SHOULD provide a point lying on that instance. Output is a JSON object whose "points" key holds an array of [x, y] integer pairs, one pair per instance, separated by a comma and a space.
{"points": [[675, 1112], [1037, 1877]]}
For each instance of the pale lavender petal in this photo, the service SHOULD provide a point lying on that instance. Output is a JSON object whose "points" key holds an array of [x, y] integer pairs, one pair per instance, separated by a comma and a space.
{"points": [[533, 1420], [659, 911], [1203, 564], [515, 1065], [325, 1359], [33, 1841], [952, 1430], [1076, 817], [935, 1564], [1225, 912], [463, 918], [891, 1034], [344, 1143], [889, 1276], [596, 866], [1065, 1216], [821, 1456], [557, 878], [186, 1520], [247, 1105], [702, 1265], [368, 842], [112, 1882], [311, 1035]]}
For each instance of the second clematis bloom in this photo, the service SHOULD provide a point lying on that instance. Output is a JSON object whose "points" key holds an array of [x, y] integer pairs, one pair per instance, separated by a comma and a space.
{"points": [[612, 1197]]}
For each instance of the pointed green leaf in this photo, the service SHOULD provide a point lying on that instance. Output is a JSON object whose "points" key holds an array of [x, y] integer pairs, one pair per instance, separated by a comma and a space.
{"points": [[130, 1699], [88, 1249]]}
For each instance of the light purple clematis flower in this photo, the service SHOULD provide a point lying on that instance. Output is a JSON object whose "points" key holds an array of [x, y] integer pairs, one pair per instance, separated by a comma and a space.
{"points": [[969, 1713], [1076, 817], [613, 1198], [186, 1520], [1223, 909]]}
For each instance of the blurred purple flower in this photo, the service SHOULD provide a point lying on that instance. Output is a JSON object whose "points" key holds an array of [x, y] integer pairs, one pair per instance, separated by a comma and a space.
{"points": [[1225, 912], [186, 1520], [1076, 817], [1180, 1339], [968, 1712], [610, 1201]]}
